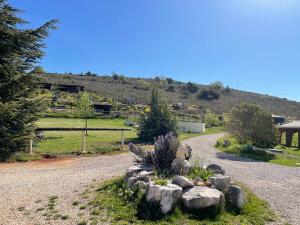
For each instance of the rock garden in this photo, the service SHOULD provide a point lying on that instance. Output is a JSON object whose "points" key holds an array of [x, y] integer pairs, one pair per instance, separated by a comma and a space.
{"points": [[166, 179]]}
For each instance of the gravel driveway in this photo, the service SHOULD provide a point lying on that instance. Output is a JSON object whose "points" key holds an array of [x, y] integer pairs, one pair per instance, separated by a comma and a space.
{"points": [[30, 185], [279, 185], [25, 187]]}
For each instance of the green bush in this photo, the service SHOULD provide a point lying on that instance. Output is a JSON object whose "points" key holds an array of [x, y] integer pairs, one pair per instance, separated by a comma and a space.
{"points": [[159, 121], [250, 124], [197, 171]]}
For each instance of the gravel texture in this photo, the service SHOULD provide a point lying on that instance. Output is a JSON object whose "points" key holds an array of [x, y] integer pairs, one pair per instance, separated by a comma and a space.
{"points": [[279, 185], [25, 188]]}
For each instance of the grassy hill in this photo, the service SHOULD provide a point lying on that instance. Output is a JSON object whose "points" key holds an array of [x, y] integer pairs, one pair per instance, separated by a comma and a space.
{"points": [[138, 90]]}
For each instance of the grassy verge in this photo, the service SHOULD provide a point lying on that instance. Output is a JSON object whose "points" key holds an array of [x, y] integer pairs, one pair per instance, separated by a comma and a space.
{"points": [[114, 204], [290, 157]]}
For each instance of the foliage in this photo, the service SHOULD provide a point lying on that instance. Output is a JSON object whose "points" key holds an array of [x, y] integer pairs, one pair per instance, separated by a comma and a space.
{"points": [[289, 158], [249, 123], [159, 121], [112, 203], [192, 88], [165, 152], [85, 107], [141, 155], [20, 51], [161, 182], [217, 85], [198, 171], [38, 70], [209, 94], [212, 120]]}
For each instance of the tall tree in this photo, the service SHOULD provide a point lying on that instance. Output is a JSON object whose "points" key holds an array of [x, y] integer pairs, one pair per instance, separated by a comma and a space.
{"points": [[159, 121], [20, 51], [85, 107]]}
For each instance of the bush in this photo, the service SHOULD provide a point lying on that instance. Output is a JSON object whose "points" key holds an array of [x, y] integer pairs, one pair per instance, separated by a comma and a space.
{"points": [[165, 152], [250, 124], [212, 120], [159, 121], [192, 88], [209, 94]]}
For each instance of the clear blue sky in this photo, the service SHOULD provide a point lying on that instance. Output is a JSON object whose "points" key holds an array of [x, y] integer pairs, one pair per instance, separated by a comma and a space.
{"points": [[252, 45]]}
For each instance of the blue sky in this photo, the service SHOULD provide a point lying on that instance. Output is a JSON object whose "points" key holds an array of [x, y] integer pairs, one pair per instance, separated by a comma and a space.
{"points": [[252, 45]]}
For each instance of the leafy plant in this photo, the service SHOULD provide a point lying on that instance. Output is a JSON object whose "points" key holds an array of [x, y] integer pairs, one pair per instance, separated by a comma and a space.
{"points": [[161, 182], [165, 151], [198, 171]]}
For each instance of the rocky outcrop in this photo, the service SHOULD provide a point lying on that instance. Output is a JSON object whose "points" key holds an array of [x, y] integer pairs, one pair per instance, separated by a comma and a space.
{"points": [[197, 198], [183, 182], [167, 196]]}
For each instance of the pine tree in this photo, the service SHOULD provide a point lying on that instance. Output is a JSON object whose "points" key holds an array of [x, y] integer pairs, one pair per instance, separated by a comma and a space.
{"points": [[20, 51], [159, 121]]}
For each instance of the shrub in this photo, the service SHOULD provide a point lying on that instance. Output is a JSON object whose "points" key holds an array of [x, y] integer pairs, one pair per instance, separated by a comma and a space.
{"points": [[197, 171], [249, 123], [212, 120], [159, 121], [165, 152], [209, 94], [192, 88]]}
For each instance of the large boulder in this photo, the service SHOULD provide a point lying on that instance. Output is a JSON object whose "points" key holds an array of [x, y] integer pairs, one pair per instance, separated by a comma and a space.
{"points": [[220, 182], [235, 198], [182, 182], [180, 166], [216, 169], [197, 198], [166, 196]]}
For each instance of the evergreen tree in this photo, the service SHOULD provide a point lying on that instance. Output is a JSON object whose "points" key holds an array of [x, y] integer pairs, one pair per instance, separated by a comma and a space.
{"points": [[20, 50], [159, 121]]}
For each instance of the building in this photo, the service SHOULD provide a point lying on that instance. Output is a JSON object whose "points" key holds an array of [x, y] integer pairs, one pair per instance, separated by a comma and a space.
{"points": [[70, 88], [278, 120], [102, 107]]}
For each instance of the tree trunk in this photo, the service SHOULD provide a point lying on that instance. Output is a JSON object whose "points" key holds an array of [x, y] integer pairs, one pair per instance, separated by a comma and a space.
{"points": [[86, 132]]}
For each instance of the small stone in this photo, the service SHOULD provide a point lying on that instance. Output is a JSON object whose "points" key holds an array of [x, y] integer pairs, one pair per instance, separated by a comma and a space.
{"points": [[182, 182], [216, 169], [235, 198], [220, 182], [199, 182]]}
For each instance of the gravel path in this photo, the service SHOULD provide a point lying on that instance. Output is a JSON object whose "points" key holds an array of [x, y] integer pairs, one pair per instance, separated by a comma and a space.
{"points": [[279, 185], [26, 187], [30, 185]]}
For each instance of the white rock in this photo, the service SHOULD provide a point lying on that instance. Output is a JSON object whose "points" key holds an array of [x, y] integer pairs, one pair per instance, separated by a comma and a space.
{"points": [[167, 196], [220, 182], [182, 182], [201, 197]]}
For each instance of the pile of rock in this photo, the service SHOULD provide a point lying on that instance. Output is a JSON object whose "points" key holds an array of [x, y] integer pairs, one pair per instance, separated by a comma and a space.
{"points": [[191, 194]]}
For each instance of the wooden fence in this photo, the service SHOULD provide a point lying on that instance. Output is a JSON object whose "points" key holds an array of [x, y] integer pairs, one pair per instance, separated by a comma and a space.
{"points": [[122, 130]]}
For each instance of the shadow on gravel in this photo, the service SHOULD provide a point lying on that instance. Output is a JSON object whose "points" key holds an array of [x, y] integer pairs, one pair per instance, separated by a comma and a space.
{"points": [[231, 157]]}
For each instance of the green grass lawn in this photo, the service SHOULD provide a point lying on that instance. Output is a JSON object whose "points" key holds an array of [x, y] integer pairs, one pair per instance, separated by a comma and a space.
{"points": [[290, 157], [101, 142], [111, 203]]}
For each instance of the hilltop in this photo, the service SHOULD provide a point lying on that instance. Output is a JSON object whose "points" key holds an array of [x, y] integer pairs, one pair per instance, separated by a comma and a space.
{"points": [[137, 90]]}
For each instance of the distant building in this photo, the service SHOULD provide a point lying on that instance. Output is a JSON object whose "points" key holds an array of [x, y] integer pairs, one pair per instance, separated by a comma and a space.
{"points": [[70, 88], [102, 107], [278, 120]]}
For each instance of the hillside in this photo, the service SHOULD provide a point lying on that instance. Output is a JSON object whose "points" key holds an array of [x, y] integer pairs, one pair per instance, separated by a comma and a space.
{"points": [[137, 90]]}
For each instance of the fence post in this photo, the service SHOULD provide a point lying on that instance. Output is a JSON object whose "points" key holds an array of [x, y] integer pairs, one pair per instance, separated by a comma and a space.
{"points": [[83, 142], [122, 140], [30, 146]]}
